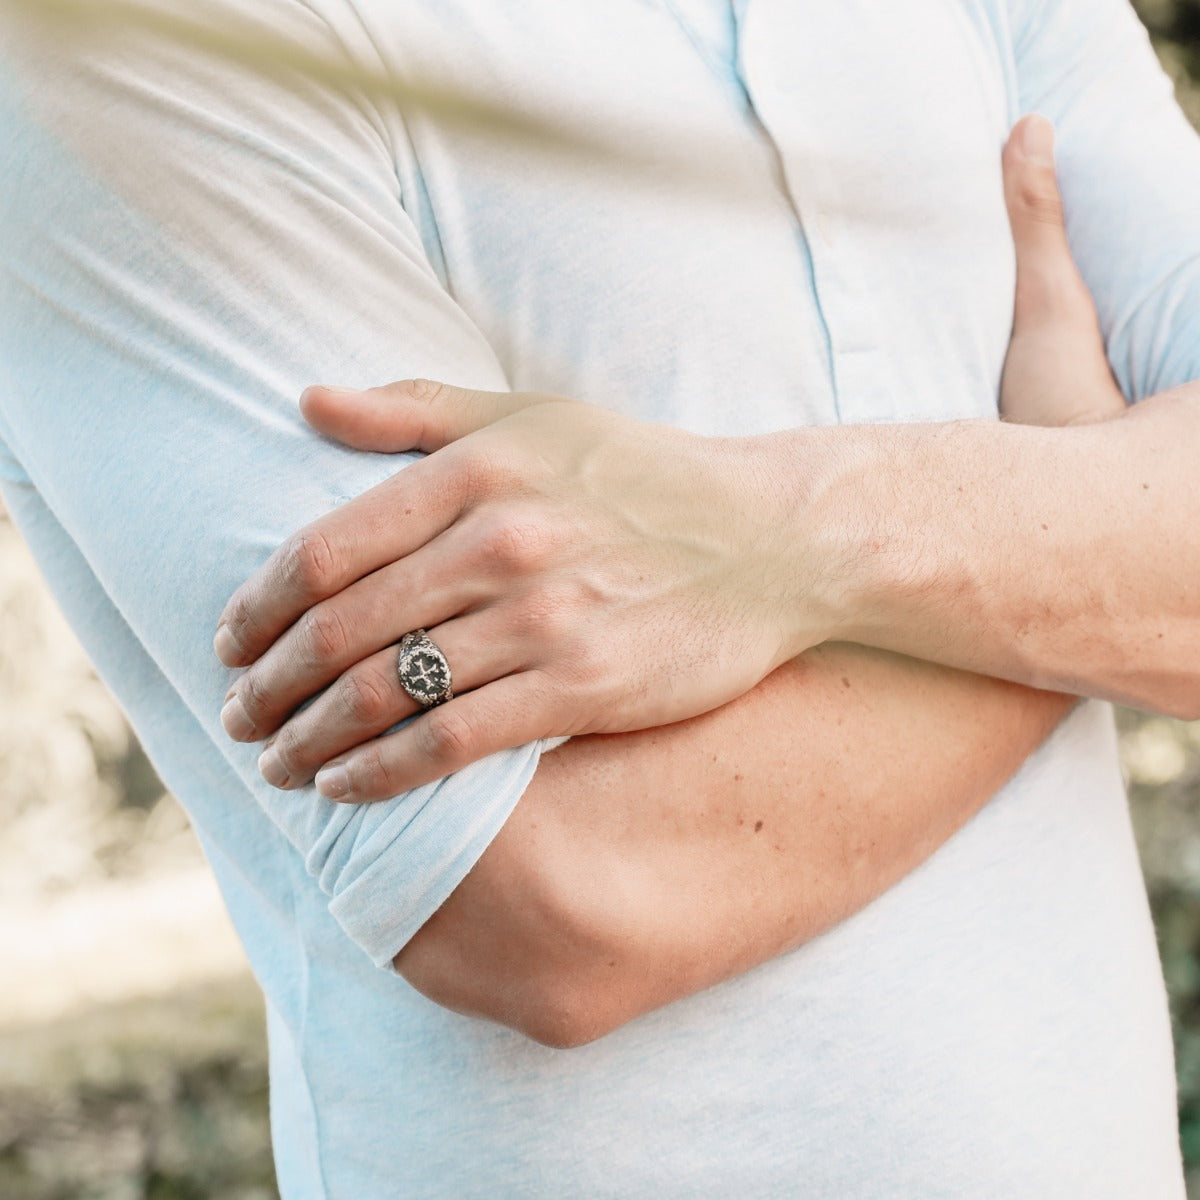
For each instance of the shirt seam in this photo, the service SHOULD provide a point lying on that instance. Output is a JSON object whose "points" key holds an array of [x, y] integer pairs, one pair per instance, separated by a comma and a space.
{"points": [[396, 132]]}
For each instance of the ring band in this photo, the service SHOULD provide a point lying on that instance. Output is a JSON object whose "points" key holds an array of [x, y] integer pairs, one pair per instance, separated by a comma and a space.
{"points": [[423, 669]]}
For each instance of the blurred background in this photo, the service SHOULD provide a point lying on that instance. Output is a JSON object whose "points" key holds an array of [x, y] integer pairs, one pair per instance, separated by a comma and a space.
{"points": [[132, 1049]]}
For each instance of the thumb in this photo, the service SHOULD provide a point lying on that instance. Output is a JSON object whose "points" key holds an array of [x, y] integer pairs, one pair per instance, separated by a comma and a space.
{"points": [[1049, 286], [1056, 371], [413, 414]]}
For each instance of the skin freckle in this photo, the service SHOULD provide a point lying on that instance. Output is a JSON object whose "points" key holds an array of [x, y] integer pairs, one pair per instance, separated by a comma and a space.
{"points": [[758, 826]]}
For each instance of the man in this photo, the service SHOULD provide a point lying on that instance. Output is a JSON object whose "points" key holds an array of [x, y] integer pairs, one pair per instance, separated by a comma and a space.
{"points": [[190, 242]]}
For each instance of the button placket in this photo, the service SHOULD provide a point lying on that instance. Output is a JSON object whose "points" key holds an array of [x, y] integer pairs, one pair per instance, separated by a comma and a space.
{"points": [[782, 100]]}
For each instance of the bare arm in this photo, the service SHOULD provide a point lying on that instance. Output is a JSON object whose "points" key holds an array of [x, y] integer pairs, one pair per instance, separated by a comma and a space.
{"points": [[640, 868], [643, 867], [1067, 557], [1062, 558]]}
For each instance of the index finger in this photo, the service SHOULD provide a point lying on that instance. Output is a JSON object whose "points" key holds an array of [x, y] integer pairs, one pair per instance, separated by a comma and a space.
{"points": [[382, 525]]}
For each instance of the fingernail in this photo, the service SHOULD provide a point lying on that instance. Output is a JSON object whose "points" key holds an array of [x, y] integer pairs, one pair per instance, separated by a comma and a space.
{"points": [[237, 724], [333, 781], [1037, 140], [271, 768], [226, 647]]}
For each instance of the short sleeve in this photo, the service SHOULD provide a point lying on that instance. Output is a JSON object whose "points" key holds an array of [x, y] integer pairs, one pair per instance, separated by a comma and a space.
{"points": [[185, 244], [1129, 167]]}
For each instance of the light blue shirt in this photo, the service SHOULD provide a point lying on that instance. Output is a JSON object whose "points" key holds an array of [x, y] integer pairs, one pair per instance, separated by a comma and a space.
{"points": [[786, 213]]}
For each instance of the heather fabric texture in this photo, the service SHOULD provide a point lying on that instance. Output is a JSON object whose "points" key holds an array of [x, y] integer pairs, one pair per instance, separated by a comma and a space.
{"points": [[783, 214]]}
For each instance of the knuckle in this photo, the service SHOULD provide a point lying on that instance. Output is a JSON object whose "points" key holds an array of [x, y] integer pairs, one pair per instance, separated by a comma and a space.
{"points": [[323, 635], [366, 699], [425, 396], [444, 737], [518, 543], [254, 697], [371, 774], [291, 750], [1038, 197], [425, 391], [239, 626], [309, 564]]}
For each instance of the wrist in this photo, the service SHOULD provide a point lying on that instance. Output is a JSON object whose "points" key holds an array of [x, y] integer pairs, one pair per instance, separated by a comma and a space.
{"points": [[823, 492], [913, 517]]}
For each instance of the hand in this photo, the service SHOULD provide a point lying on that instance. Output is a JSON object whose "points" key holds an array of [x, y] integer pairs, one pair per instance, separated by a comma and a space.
{"points": [[621, 880], [581, 571], [1056, 372]]}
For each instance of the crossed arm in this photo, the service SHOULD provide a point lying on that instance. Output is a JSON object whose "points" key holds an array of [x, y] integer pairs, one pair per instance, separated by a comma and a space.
{"points": [[639, 868], [644, 866], [568, 927], [612, 831]]}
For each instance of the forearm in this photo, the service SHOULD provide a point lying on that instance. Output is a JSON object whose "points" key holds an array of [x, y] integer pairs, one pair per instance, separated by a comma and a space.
{"points": [[1061, 558], [640, 868]]}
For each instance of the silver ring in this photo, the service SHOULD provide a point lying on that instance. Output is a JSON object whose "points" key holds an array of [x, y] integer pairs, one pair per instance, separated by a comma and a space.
{"points": [[423, 669]]}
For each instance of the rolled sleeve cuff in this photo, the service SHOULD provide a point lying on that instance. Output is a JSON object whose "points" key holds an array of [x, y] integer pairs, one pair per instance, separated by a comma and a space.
{"points": [[389, 867]]}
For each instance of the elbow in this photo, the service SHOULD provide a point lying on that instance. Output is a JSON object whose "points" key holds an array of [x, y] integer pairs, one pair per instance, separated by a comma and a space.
{"points": [[562, 1019], [538, 942], [557, 1009], [527, 967]]}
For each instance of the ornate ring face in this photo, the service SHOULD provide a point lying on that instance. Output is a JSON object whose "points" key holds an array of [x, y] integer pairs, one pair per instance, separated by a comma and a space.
{"points": [[423, 670]]}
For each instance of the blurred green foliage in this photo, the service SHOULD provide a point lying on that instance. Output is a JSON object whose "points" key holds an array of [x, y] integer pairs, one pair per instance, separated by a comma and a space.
{"points": [[1177, 23], [1175, 30], [1162, 761], [146, 1100]]}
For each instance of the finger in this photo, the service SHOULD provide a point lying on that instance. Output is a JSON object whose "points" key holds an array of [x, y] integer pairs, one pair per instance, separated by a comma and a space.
{"points": [[1049, 287], [384, 524], [509, 712], [368, 699], [424, 589], [414, 414]]}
